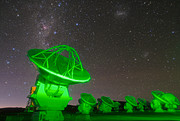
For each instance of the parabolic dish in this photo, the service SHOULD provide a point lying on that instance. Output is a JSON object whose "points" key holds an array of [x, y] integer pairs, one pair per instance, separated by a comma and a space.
{"points": [[142, 101], [158, 95], [131, 100], [88, 98], [177, 102], [170, 98], [57, 68], [107, 101]]}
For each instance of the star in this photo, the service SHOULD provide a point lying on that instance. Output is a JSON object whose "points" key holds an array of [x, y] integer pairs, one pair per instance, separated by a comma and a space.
{"points": [[55, 32], [59, 4], [7, 62]]}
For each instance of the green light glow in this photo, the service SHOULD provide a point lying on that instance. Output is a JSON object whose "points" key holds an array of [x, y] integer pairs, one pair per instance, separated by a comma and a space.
{"points": [[142, 103], [87, 101], [106, 105], [128, 107], [52, 62], [130, 102], [57, 72], [172, 102], [116, 106], [88, 98], [158, 95], [167, 100], [156, 105]]}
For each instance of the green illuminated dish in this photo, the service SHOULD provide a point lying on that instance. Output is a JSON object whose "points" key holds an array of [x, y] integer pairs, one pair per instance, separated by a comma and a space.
{"points": [[177, 102], [171, 99], [88, 98], [131, 100], [158, 95], [142, 101], [60, 64], [107, 101]]}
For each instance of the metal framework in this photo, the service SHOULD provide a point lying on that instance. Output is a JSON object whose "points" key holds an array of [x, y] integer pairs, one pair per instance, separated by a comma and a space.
{"points": [[53, 61]]}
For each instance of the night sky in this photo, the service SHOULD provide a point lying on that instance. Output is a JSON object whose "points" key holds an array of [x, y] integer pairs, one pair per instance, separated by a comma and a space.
{"points": [[129, 47]]}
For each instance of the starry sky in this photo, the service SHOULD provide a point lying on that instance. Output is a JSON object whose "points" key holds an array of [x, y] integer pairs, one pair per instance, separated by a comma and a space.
{"points": [[129, 47]]}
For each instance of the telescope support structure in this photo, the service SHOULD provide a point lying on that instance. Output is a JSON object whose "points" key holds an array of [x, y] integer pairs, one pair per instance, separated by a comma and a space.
{"points": [[50, 99]]}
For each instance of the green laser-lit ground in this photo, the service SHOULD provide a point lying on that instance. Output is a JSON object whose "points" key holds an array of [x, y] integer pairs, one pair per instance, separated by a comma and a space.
{"points": [[138, 116], [114, 116]]}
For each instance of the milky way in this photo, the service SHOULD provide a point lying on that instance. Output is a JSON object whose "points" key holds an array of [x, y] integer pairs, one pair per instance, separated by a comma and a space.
{"points": [[129, 47]]}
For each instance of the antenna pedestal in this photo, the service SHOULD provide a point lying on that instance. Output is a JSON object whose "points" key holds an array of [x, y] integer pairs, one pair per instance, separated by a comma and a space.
{"points": [[59, 67], [50, 99]]}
